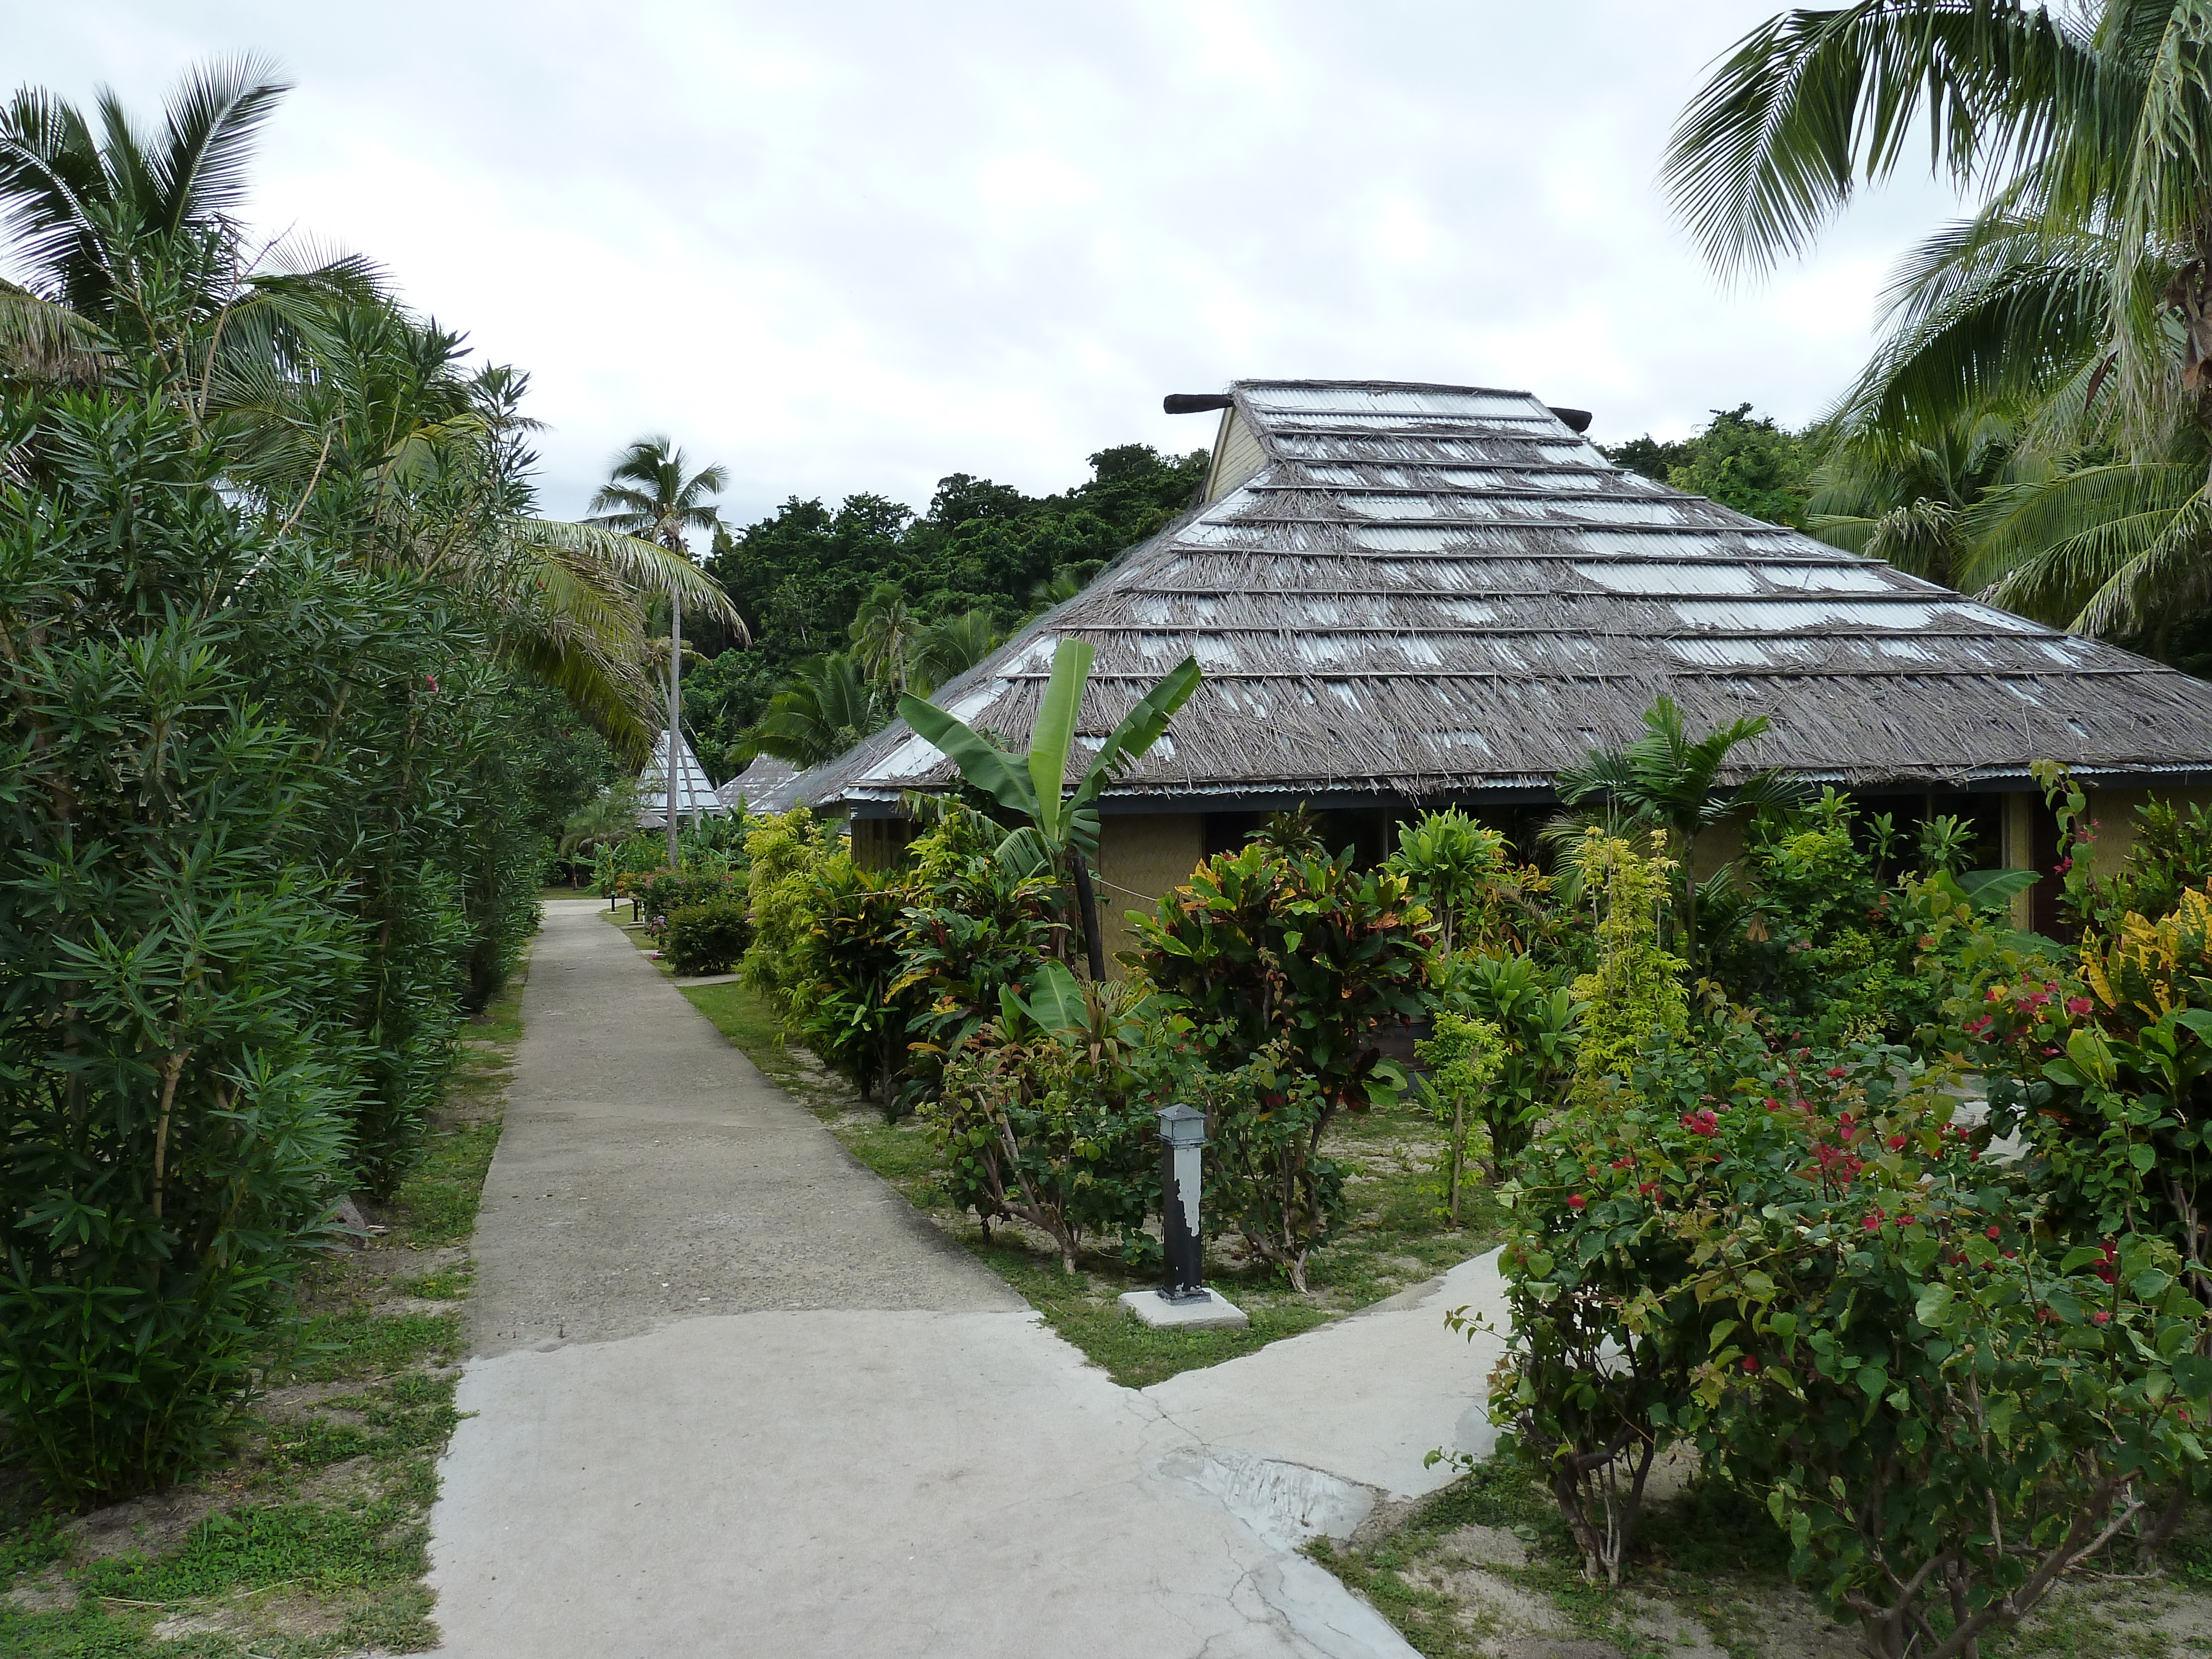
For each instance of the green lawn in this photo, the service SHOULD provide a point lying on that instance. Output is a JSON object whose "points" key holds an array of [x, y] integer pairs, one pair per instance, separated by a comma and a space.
{"points": [[1395, 1236], [313, 1540]]}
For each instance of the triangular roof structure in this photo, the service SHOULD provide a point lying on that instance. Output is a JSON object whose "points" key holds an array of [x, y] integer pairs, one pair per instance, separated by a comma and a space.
{"points": [[766, 785], [1425, 592], [695, 794]]}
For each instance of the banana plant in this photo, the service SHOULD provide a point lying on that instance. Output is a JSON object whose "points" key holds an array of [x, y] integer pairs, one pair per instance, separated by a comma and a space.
{"points": [[1059, 827]]}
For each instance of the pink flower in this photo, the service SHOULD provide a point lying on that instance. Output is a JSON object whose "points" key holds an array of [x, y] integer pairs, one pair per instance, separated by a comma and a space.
{"points": [[2078, 1006], [2100, 1317]]}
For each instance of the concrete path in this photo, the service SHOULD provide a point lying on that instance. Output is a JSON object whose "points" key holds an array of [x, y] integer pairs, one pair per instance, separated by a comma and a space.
{"points": [[731, 1396]]}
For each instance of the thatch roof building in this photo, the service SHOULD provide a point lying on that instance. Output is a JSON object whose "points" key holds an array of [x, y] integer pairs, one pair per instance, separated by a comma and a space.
{"points": [[1409, 594], [694, 792]]}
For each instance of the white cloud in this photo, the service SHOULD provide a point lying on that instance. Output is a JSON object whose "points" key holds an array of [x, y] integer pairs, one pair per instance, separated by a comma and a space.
{"points": [[857, 247]]}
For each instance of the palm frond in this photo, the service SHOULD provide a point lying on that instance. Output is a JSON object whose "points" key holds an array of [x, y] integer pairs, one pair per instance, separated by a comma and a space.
{"points": [[210, 126], [1810, 104]]}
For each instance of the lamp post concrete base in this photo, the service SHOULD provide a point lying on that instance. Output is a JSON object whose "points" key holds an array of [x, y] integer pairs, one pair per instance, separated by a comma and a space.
{"points": [[1212, 1312]]}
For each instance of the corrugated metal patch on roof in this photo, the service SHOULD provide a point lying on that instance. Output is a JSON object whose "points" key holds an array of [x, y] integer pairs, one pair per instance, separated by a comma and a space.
{"points": [[1830, 578], [1711, 580], [1722, 653]]}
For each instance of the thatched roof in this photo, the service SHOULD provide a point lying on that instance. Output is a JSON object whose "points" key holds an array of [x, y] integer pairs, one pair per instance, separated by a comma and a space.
{"points": [[1427, 593], [695, 791], [767, 785]]}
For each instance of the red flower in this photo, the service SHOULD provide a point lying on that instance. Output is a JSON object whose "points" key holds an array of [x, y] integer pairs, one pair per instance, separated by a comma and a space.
{"points": [[1772, 1104], [1576, 1202], [1873, 1222], [1624, 1163], [1993, 1233], [1751, 1362], [2078, 1006], [1897, 1143], [2100, 1317], [1647, 1189]]}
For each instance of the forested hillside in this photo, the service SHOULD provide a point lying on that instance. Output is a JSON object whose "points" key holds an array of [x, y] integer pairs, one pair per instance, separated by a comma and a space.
{"points": [[800, 575]]}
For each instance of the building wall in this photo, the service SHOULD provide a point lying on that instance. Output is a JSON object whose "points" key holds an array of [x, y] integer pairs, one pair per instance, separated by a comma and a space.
{"points": [[1140, 857], [1236, 456], [879, 843], [2113, 812]]}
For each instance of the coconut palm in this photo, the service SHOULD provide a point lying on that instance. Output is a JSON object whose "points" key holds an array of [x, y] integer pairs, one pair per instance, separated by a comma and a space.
{"points": [[134, 256], [947, 650], [2076, 299], [884, 632], [1910, 501], [1668, 780], [829, 706], [649, 495]]}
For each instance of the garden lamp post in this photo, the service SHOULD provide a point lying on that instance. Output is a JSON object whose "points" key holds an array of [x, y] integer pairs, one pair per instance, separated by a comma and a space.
{"points": [[1183, 1131]]}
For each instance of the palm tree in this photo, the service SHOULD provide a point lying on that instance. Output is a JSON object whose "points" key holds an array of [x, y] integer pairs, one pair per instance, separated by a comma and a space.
{"points": [[884, 632], [829, 706], [2075, 299], [1910, 501], [1668, 780], [947, 650], [134, 258], [343, 412], [648, 497]]}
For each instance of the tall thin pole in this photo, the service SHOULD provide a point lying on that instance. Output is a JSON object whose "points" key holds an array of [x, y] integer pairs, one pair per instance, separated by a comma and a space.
{"points": [[675, 710]]}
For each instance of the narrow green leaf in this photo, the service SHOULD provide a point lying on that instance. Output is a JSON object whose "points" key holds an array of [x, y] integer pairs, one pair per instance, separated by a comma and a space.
{"points": [[1054, 734]]}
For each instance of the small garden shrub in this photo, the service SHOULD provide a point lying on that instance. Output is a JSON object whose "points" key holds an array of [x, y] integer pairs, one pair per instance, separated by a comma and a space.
{"points": [[1305, 953], [709, 938], [1040, 1118]]}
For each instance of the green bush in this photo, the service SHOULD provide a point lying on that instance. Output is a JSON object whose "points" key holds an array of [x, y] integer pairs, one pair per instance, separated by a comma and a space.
{"points": [[1539, 1024], [1040, 1118], [1264, 948], [269, 825], [709, 937], [785, 851], [845, 967], [177, 1072], [663, 892]]}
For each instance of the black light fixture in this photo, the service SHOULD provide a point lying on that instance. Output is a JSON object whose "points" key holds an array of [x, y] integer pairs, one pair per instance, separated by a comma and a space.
{"points": [[1183, 1131], [1193, 403]]}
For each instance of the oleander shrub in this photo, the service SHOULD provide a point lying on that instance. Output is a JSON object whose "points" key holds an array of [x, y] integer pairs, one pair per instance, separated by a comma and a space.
{"points": [[270, 825]]}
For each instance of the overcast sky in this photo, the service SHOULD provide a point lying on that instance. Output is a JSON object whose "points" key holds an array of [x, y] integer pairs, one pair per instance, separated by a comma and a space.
{"points": [[847, 246]]}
